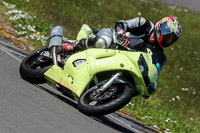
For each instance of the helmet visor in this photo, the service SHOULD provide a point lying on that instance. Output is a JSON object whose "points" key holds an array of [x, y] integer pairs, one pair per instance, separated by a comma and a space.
{"points": [[169, 39], [168, 36]]}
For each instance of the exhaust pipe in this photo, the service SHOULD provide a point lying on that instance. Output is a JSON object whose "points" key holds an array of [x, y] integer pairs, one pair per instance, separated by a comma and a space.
{"points": [[55, 41]]}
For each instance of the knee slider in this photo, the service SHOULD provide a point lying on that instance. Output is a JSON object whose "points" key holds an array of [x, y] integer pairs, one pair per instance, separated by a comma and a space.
{"points": [[101, 43]]}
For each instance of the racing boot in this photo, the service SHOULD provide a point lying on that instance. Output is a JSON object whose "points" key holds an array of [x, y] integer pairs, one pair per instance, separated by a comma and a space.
{"points": [[80, 45], [72, 47]]}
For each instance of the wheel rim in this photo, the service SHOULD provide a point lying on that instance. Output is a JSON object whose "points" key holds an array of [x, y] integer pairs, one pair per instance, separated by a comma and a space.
{"points": [[38, 61], [93, 98]]}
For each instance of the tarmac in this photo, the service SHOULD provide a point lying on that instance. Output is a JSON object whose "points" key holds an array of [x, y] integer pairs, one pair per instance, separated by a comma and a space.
{"points": [[192, 5]]}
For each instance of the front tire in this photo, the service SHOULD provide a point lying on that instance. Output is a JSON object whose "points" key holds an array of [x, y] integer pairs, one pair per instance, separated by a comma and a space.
{"points": [[33, 71], [123, 95]]}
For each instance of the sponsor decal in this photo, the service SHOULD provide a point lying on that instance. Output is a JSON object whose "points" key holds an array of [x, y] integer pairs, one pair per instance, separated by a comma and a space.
{"points": [[68, 84], [101, 62]]}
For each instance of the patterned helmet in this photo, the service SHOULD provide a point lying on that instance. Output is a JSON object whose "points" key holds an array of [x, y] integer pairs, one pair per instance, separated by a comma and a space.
{"points": [[167, 31]]}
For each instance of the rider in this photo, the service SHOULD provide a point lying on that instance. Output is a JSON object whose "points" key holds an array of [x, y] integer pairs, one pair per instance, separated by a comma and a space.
{"points": [[134, 34]]}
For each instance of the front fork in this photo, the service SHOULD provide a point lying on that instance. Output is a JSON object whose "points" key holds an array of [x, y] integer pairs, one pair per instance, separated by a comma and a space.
{"points": [[110, 82], [117, 78]]}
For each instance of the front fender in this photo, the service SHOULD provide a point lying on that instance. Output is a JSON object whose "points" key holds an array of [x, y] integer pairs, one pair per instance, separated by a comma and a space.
{"points": [[122, 80]]}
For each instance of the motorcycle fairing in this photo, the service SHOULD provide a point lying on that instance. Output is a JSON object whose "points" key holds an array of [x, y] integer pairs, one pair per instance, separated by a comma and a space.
{"points": [[77, 78]]}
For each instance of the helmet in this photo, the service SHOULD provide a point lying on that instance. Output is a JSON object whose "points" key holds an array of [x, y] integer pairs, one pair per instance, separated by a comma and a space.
{"points": [[167, 31]]}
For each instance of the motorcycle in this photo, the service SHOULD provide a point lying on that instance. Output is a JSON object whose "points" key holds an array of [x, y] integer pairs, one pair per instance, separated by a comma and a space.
{"points": [[101, 80]]}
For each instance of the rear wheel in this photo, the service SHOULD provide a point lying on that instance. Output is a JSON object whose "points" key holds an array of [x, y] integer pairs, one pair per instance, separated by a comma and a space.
{"points": [[35, 65], [94, 103]]}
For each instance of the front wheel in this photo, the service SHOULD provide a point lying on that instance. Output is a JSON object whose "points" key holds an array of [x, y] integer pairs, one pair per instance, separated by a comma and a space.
{"points": [[93, 103]]}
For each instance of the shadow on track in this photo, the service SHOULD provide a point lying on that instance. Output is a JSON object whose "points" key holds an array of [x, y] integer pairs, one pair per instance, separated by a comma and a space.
{"points": [[102, 119]]}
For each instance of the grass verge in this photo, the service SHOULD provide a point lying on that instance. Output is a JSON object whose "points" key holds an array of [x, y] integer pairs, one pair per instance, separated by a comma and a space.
{"points": [[174, 107]]}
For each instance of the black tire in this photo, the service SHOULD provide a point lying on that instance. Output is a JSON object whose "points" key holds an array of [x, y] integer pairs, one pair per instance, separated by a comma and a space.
{"points": [[32, 73], [111, 106]]}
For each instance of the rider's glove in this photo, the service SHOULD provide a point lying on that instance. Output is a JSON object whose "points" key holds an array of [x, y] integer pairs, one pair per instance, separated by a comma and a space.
{"points": [[122, 39], [151, 88]]}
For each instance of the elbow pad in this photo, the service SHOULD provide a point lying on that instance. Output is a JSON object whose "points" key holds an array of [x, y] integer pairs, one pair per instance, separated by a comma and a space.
{"points": [[140, 26]]}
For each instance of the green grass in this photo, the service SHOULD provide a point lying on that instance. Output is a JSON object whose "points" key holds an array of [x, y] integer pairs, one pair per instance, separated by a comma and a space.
{"points": [[181, 70]]}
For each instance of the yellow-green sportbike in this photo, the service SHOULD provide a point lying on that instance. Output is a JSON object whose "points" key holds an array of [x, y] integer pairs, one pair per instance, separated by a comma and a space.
{"points": [[101, 80]]}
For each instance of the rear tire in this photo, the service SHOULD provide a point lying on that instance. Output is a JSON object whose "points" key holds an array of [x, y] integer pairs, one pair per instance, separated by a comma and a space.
{"points": [[125, 94], [34, 73]]}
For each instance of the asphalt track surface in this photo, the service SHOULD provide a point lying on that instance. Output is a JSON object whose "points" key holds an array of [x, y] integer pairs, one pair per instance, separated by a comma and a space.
{"points": [[193, 5], [29, 108], [26, 108]]}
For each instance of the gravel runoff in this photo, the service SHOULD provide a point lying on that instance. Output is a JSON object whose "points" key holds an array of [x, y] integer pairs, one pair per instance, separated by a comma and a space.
{"points": [[193, 5]]}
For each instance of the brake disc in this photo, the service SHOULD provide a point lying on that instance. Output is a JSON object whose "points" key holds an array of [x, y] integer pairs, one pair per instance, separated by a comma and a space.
{"points": [[96, 95]]}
